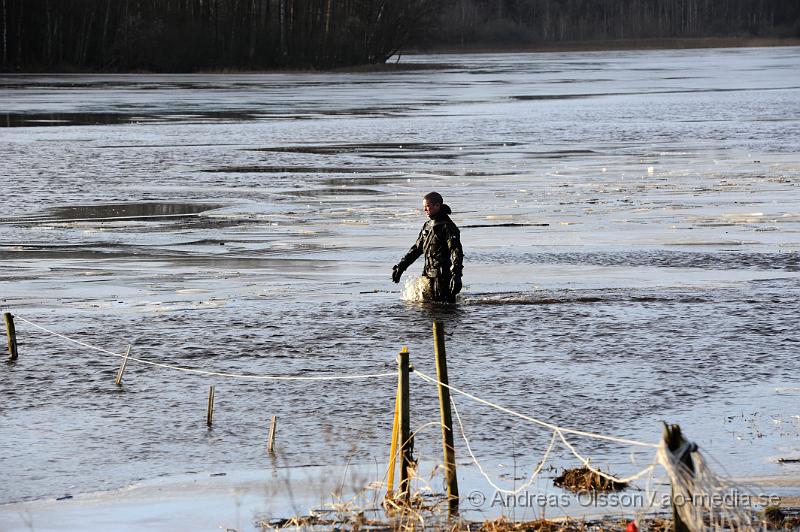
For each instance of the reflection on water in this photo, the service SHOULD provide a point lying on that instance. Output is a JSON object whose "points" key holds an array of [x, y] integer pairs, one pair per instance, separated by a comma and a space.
{"points": [[117, 118], [130, 210]]}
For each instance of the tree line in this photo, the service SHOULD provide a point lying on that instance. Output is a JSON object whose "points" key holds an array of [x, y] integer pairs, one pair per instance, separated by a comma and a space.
{"points": [[181, 35], [466, 22], [190, 35]]}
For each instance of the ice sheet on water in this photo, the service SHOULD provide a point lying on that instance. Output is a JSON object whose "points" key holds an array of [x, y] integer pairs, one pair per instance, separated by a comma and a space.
{"points": [[256, 210]]}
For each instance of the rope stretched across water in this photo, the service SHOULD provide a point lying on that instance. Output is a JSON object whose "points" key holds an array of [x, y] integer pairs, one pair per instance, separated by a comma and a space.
{"points": [[523, 487], [701, 481], [338, 377], [556, 434], [209, 373], [540, 422]]}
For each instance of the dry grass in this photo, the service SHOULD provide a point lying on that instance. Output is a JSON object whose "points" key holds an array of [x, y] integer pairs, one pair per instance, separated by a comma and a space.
{"points": [[421, 510], [538, 525], [653, 524], [359, 522]]}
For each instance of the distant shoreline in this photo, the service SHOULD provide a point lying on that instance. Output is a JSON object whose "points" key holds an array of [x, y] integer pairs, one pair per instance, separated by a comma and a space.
{"points": [[611, 45], [542, 47]]}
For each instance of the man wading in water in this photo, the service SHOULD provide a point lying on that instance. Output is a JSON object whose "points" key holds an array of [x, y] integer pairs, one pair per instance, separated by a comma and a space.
{"points": [[440, 241]]}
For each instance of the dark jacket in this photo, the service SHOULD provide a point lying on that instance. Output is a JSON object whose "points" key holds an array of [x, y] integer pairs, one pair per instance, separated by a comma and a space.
{"points": [[440, 241]]}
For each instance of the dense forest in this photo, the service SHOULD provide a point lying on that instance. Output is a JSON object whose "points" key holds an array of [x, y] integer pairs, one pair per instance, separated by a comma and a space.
{"points": [[179, 35], [541, 21], [185, 35]]}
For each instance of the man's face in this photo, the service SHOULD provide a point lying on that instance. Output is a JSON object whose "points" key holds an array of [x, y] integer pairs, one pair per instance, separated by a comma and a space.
{"points": [[431, 209]]}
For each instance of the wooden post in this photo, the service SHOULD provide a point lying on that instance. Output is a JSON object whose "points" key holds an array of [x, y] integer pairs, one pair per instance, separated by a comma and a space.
{"points": [[406, 445], [447, 417], [118, 380], [210, 410], [272, 427], [393, 446], [675, 441], [11, 331]]}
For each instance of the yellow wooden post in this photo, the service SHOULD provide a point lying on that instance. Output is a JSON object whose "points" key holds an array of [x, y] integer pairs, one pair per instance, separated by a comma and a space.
{"points": [[447, 417], [395, 430], [393, 447]]}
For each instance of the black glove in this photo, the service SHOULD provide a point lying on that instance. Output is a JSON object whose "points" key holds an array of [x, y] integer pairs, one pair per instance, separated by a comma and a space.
{"points": [[397, 271], [455, 284]]}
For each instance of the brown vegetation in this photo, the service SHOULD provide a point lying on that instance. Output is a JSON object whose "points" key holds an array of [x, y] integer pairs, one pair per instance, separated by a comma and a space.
{"points": [[537, 525], [584, 479], [779, 518], [360, 522]]}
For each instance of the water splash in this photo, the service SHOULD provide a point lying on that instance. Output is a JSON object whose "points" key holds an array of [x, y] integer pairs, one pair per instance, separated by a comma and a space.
{"points": [[414, 289], [418, 290]]}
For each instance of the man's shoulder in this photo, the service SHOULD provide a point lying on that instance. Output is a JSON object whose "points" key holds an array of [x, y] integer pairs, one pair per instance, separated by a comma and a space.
{"points": [[450, 224], [442, 220]]}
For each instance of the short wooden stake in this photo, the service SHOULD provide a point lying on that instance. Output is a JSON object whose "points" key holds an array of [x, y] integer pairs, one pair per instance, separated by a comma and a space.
{"points": [[675, 441], [118, 380], [393, 446], [11, 331], [446, 416], [210, 410], [406, 445], [272, 428]]}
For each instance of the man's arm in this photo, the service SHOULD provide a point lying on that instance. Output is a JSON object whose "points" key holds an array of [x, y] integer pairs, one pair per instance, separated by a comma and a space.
{"points": [[456, 253], [412, 255], [456, 258]]}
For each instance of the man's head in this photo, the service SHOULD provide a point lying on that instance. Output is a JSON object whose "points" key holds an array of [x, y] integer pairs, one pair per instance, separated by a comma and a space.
{"points": [[432, 204]]}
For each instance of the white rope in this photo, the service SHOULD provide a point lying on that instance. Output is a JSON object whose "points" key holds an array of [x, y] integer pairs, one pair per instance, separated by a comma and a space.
{"points": [[648, 490], [556, 432], [585, 462], [550, 426], [211, 373], [480, 468]]}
